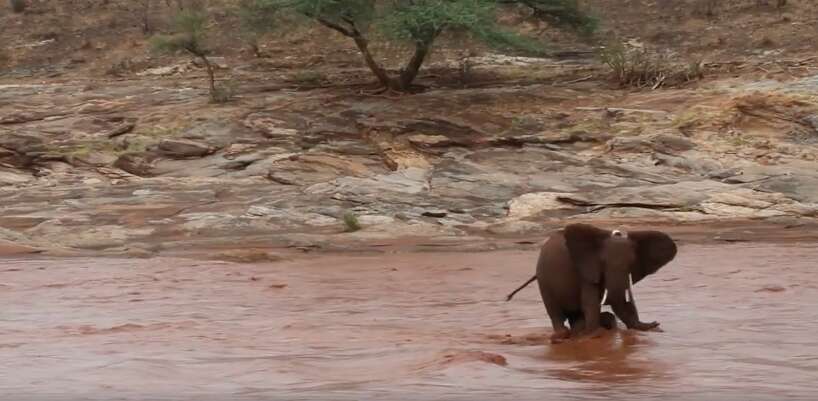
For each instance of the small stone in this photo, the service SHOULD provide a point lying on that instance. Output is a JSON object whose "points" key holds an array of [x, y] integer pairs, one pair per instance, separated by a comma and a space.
{"points": [[282, 178], [669, 142], [375, 220], [435, 213], [623, 144], [9, 177], [22, 143], [536, 202], [319, 220], [269, 127], [133, 163], [248, 256], [98, 159], [429, 141], [180, 148], [772, 288], [514, 227]]}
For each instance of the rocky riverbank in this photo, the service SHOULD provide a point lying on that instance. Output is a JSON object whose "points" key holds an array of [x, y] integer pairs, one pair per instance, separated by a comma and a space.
{"points": [[147, 165]]}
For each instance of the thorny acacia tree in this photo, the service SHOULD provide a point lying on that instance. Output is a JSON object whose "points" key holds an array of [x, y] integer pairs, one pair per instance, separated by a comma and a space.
{"points": [[190, 29], [421, 22]]}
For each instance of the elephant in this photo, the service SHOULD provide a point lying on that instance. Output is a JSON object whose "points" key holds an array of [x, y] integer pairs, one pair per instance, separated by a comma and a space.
{"points": [[583, 267]]}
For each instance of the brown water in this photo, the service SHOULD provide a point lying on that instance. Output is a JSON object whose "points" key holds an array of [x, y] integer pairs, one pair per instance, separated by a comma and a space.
{"points": [[741, 323]]}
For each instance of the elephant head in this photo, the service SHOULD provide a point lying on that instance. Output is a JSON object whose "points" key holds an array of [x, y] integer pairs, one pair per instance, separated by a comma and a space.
{"points": [[617, 258]]}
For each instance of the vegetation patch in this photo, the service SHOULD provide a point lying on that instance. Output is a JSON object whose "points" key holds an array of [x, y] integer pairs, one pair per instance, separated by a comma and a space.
{"points": [[309, 77], [191, 37], [351, 223], [417, 24], [641, 67]]}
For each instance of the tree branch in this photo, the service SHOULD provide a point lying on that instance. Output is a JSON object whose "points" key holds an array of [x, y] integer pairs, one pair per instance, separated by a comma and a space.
{"points": [[334, 26], [351, 23]]}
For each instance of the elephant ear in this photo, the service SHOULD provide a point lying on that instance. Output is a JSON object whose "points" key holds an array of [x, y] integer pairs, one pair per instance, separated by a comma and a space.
{"points": [[654, 249], [584, 243]]}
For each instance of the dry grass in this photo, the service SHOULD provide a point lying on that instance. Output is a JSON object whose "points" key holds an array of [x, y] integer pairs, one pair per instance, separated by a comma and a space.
{"points": [[643, 68]]}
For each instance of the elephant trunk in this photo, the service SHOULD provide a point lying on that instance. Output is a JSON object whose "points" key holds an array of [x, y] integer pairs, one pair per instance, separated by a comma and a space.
{"points": [[618, 286], [619, 259]]}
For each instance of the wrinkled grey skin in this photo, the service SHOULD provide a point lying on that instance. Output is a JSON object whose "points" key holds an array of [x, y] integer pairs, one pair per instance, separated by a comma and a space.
{"points": [[580, 262]]}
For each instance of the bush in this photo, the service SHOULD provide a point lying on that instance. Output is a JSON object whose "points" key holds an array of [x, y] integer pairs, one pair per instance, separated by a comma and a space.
{"points": [[18, 6], [191, 38], [309, 77], [223, 93], [351, 223], [641, 67]]}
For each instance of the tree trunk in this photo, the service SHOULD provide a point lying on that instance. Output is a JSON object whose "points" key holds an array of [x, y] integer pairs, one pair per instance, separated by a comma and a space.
{"points": [[211, 76], [146, 21], [380, 72], [410, 72], [407, 75]]}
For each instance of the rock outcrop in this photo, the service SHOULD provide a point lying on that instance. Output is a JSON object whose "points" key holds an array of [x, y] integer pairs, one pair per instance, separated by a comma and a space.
{"points": [[139, 168]]}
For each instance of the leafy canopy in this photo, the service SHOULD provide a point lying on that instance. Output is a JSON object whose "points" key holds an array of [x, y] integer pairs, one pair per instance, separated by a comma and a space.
{"points": [[418, 23], [257, 16], [421, 21], [190, 27]]}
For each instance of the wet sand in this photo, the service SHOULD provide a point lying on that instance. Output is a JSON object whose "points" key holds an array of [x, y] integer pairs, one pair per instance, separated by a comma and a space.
{"points": [[740, 323]]}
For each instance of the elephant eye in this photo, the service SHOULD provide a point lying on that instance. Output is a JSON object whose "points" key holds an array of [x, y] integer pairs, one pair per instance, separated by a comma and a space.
{"points": [[617, 233]]}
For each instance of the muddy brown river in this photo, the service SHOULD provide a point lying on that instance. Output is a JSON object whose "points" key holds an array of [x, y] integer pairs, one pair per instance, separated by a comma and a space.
{"points": [[740, 323]]}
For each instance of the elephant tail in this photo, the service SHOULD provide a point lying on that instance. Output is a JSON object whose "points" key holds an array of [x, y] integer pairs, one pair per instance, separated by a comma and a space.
{"points": [[508, 298]]}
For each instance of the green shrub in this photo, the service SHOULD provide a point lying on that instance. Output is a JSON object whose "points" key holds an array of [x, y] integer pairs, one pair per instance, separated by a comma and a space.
{"points": [[351, 223], [309, 77], [190, 36], [223, 92]]}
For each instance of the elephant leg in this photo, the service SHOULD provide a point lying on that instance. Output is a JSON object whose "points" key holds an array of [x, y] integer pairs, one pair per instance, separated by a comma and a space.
{"points": [[558, 323], [577, 322], [556, 314], [557, 317], [626, 311], [607, 320], [591, 297]]}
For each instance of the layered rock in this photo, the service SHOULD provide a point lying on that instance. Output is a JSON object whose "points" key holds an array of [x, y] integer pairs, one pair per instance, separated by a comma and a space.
{"points": [[140, 168]]}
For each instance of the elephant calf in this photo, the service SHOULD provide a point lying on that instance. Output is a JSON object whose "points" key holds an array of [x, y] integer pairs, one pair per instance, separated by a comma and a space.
{"points": [[583, 267]]}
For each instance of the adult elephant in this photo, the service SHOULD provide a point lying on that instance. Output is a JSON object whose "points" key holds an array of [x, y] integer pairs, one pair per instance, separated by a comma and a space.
{"points": [[583, 267]]}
